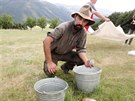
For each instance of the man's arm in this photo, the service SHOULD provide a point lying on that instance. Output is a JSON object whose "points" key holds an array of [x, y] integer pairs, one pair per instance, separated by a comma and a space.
{"points": [[98, 14], [86, 61], [47, 52]]}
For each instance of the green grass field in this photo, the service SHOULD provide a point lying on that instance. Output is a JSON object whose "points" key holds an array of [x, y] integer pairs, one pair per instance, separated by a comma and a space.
{"points": [[21, 65]]}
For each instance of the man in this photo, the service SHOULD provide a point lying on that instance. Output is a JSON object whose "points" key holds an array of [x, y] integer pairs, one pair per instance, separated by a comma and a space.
{"points": [[95, 12], [59, 43]]}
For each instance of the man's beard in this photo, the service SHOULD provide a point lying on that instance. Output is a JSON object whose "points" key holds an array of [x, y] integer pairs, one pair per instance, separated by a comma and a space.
{"points": [[78, 27]]}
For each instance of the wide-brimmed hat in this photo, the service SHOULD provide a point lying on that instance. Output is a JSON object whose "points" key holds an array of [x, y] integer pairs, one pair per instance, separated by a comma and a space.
{"points": [[85, 13]]}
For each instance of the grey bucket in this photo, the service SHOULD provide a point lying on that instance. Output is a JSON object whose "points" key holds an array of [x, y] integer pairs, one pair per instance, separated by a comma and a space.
{"points": [[51, 89], [87, 79]]}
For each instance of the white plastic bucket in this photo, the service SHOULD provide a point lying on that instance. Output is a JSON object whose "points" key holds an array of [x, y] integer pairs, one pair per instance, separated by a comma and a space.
{"points": [[87, 79], [51, 89]]}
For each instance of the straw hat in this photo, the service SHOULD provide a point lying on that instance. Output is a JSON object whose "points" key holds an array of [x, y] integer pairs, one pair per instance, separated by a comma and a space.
{"points": [[85, 13]]}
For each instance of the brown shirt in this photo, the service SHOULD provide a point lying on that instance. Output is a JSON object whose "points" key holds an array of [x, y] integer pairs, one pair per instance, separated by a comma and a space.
{"points": [[67, 38]]}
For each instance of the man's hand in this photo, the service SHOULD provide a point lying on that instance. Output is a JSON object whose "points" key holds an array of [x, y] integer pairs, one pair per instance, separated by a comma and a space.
{"points": [[107, 19], [89, 63], [51, 67]]}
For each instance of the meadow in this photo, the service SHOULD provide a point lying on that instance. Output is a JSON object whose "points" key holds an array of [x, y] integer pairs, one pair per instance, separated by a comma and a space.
{"points": [[21, 65]]}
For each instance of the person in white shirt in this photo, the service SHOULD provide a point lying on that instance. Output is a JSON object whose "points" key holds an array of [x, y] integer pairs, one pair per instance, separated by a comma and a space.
{"points": [[95, 12]]}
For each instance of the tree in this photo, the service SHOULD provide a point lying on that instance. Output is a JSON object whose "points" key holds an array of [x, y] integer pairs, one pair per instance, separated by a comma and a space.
{"points": [[54, 22], [6, 21], [42, 22], [0, 22], [114, 17], [31, 22]]}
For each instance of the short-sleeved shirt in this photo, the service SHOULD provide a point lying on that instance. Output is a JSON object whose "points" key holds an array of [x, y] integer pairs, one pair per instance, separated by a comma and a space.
{"points": [[67, 38]]}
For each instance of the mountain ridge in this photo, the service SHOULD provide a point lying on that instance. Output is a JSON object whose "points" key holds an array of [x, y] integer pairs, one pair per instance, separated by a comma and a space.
{"points": [[21, 9]]}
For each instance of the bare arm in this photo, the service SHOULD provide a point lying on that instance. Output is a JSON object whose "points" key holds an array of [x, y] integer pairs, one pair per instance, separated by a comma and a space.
{"points": [[100, 16], [86, 61], [47, 52], [95, 12]]}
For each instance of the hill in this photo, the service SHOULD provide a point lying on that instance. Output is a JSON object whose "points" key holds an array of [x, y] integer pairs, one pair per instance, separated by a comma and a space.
{"points": [[21, 9]]}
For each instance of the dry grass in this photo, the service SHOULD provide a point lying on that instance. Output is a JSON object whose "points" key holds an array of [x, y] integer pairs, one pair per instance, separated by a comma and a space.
{"points": [[22, 61]]}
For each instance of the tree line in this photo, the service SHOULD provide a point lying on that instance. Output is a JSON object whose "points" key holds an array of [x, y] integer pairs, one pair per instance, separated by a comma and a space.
{"points": [[6, 22]]}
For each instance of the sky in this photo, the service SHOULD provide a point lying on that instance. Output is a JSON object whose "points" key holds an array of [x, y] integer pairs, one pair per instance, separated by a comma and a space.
{"points": [[112, 5]]}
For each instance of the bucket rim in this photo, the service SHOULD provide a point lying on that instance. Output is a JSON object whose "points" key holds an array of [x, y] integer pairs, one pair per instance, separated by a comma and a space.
{"points": [[50, 92], [75, 71]]}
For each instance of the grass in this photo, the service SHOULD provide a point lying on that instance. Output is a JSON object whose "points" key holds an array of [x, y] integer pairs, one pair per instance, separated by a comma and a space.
{"points": [[21, 64]]}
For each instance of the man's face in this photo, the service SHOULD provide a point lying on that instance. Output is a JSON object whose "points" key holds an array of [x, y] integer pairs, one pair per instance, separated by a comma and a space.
{"points": [[80, 22]]}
